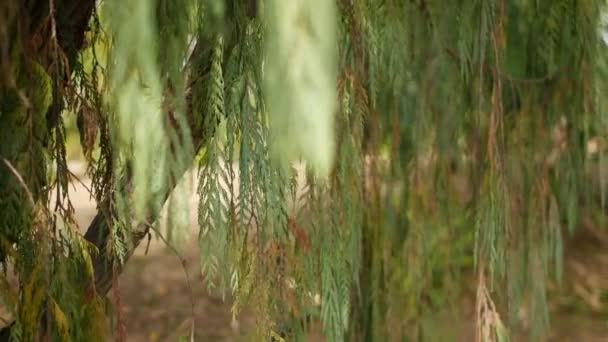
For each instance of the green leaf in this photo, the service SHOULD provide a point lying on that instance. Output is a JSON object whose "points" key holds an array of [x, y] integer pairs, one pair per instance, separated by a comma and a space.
{"points": [[300, 75]]}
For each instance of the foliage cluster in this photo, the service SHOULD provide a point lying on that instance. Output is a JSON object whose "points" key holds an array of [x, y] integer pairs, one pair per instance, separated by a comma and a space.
{"points": [[441, 139]]}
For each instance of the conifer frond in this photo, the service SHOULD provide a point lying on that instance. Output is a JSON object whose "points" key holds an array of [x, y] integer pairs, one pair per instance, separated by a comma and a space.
{"points": [[419, 143]]}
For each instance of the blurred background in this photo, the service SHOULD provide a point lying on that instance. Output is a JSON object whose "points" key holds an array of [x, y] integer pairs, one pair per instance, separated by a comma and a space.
{"points": [[162, 284]]}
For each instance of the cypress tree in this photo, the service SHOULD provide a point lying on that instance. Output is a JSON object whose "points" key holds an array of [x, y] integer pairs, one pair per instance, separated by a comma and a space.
{"points": [[361, 163]]}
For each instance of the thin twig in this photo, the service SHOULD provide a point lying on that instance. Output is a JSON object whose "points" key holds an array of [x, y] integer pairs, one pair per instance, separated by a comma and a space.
{"points": [[72, 175], [183, 262], [21, 181]]}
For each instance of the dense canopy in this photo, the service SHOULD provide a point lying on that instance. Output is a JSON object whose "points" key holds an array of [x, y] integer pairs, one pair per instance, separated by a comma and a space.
{"points": [[361, 163]]}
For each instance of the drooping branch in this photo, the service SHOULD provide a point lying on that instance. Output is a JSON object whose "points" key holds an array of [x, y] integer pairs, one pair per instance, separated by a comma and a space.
{"points": [[98, 233], [71, 33]]}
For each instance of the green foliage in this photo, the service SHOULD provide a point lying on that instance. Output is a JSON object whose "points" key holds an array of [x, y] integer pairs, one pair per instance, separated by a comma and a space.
{"points": [[135, 93], [421, 145], [300, 74]]}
